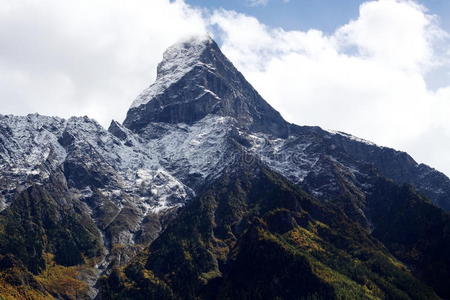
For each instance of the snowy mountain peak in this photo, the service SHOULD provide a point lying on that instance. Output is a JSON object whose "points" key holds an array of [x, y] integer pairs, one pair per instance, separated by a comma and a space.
{"points": [[195, 80], [178, 60], [183, 55]]}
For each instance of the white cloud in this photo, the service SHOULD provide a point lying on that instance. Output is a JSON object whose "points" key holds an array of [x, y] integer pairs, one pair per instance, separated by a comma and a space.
{"points": [[397, 33], [257, 2], [87, 56], [262, 2], [367, 78]]}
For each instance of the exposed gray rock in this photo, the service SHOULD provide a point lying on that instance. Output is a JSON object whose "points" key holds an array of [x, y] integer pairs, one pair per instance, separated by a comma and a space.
{"points": [[208, 84]]}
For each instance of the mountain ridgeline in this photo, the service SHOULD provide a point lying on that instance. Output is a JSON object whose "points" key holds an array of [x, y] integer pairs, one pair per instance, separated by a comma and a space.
{"points": [[206, 192]]}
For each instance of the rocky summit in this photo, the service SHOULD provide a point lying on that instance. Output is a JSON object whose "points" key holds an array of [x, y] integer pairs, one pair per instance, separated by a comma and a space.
{"points": [[206, 192]]}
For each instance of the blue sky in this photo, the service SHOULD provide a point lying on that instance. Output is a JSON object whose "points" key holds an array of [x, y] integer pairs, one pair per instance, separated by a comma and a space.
{"points": [[326, 15]]}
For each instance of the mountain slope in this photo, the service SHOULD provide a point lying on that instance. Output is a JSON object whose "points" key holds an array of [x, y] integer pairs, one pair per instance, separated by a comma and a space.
{"points": [[414, 230], [252, 235], [202, 178], [196, 81]]}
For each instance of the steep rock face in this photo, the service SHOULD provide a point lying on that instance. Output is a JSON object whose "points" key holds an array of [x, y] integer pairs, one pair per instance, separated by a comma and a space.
{"points": [[195, 80]]}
